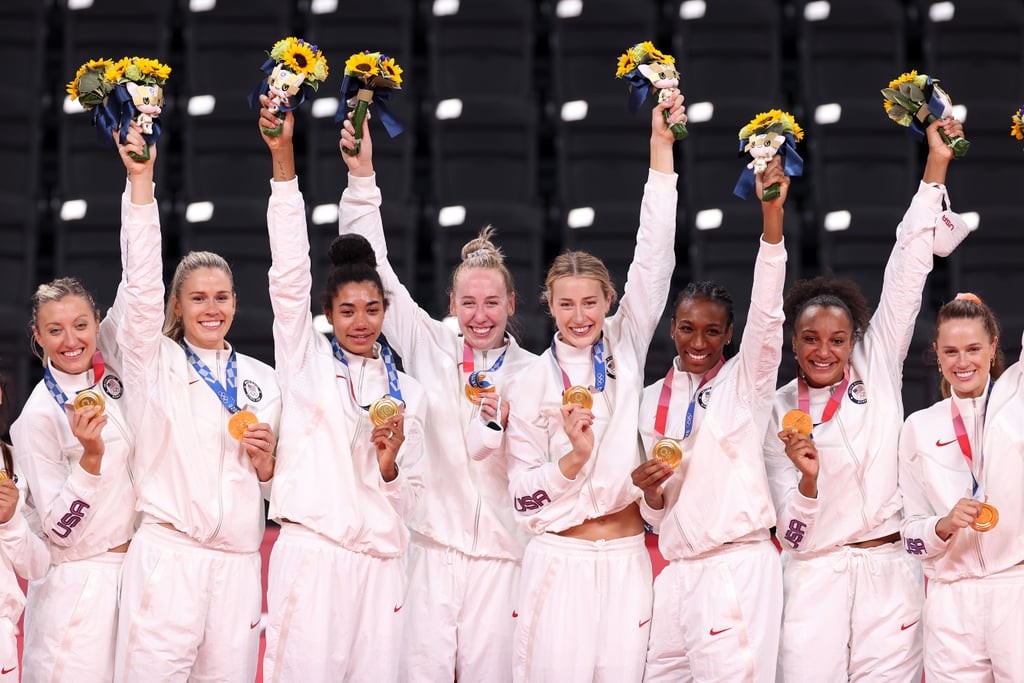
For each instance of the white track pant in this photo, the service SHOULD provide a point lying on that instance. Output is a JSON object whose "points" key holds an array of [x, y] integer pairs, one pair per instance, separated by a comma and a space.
{"points": [[974, 629], [717, 618], [8, 650], [852, 614], [584, 610], [71, 622], [458, 616], [335, 615], [188, 612]]}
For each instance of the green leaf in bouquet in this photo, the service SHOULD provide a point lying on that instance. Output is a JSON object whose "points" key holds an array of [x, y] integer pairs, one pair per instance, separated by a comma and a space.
{"points": [[921, 81], [912, 92]]}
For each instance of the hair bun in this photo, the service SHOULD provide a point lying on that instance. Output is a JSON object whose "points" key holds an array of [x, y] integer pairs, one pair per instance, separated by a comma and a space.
{"points": [[481, 245], [352, 249], [969, 296]]}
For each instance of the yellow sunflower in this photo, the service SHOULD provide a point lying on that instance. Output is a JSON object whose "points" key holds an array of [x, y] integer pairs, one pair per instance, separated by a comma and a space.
{"points": [[626, 64], [152, 67], [1017, 128], [299, 58], [277, 52], [904, 78], [391, 71], [115, 72], [97, 66], [362, 65], [798, 132]]}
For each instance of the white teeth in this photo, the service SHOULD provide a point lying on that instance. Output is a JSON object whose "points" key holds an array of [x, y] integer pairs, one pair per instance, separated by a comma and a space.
{"points": [[821, 365], [696, 356], [580, 330], [73, 354], [965, 374], [210, 324], [480, 330]]}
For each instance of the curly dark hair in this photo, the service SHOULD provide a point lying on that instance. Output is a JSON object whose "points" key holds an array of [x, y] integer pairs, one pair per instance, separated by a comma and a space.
{"points": [[828, 290]]}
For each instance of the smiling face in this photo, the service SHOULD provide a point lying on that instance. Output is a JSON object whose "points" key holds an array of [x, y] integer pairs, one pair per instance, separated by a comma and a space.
{"points": [[700, 330], [357, 315], [206, 306], [823, 341], [66, 331], [579, 306], [482, 305], [965, 352]]}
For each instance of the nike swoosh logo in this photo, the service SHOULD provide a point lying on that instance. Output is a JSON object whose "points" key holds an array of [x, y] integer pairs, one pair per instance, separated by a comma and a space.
{"points": [[255, 623], [398, 608], [515, 614], [904, 627], [4, 672], [940, 444], [715, 633], [644, 623]]}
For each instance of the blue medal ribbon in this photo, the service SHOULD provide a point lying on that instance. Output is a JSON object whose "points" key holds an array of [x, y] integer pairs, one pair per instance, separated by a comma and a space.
{"points": [[394, 390], [479, 380], [228, 396], [98, 369], [600, 373]]}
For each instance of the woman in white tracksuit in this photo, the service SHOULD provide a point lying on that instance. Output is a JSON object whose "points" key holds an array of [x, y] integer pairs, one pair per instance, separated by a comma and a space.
{"points": [[77, 469], [344, 483], [204, 419], [21, 551], [584, 604], [466, 549], [954, 456], [852, 595], [718, 604]]}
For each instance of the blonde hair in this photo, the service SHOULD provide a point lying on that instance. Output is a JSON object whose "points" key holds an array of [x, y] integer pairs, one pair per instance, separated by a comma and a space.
{"points": [[51, 291], [481, 252], [578, 264], [191, 262]]}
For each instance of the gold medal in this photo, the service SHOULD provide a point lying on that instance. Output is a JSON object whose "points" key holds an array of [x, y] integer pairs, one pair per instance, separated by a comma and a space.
{"points": [[578, 395], [240, 422], [3, 476], [799, 421], [382, 410], [986, 519], [473, 394], [669, 451], [89, 398]]}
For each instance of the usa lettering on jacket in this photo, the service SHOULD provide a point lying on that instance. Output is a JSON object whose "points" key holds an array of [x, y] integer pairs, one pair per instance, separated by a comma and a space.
{"points": [[534, 502], [71, 518]]}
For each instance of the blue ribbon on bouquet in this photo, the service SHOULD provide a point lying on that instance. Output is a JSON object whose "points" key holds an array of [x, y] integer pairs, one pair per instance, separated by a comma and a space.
{"points": [[379, 106], [639, 89], [264, 87], [117, 112], [935, 106], [791, 162]]}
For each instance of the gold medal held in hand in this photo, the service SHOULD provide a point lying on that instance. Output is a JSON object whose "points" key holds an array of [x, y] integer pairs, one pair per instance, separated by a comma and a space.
{"points": [[382, 410], [669, 451], [986, 519], [578, 395], [3, 476], [240, 422], [799, 421], [88, 399]]}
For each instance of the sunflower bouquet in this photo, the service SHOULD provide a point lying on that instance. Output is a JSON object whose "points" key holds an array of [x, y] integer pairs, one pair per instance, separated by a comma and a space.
{"points": [[130, 89], [293, 68], [769, 133], [370, 78], [1017, 124], [915, 100], [643, 66]]}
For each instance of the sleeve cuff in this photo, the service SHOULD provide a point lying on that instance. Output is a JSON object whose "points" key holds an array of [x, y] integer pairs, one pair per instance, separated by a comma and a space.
{"points": [[804, 505], [84, 483], [362, 184], [284, 188], [650, 515], [394, 485], [773, 252], [662, 180], [557, 481], [265, 488], [932, 538]]}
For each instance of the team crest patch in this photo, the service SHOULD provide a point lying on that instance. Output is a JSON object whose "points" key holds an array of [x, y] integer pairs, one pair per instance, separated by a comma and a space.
{"points": [[609, 363], [704, 397], [252, 390], [857, 393], [112, 387]]}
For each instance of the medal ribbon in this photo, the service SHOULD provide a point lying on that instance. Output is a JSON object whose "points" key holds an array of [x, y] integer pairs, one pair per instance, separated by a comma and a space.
{"points": [[804, 397], [597, 353], [661, 416], [473, 378], [389, 366], [228, 396], [98, 368], [960, 429]]}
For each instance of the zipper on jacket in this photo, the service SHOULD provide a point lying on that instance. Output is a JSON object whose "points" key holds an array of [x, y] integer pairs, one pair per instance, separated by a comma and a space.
{"points": [[220, 469], [682, 533], [981, 556], [479, 497], [860, 479]]}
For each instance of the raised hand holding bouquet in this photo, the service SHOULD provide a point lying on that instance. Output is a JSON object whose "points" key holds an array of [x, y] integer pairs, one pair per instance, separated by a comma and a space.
{"points": [[130, 89], [915, 100], [769, 133], [294, 70], [370, 78], [643, 66]]}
